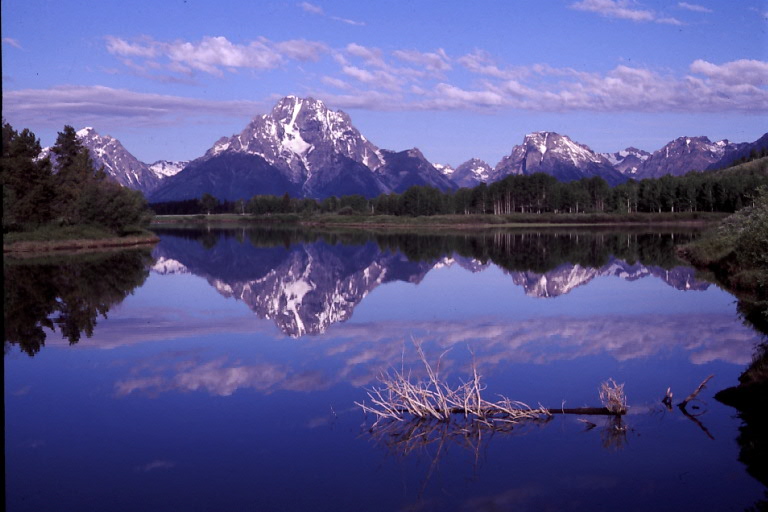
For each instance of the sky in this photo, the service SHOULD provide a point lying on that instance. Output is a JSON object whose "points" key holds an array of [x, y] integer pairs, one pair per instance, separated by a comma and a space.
{"points": [[457, 79]]}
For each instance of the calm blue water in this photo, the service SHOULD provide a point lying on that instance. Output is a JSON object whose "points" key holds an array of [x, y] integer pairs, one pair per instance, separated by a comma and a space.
{"points": [[225, 375]]}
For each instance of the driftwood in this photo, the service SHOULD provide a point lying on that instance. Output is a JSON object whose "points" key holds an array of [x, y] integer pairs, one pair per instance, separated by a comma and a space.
{"points": [[401, 398], [667, 401], [693, 395]]}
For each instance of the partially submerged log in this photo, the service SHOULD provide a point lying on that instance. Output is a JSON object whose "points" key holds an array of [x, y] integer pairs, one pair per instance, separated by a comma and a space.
{"points": [[588, 411], [401, 398], [667, 401], [695, 393]]}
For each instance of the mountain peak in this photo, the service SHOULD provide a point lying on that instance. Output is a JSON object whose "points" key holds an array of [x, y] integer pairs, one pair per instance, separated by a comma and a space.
{"points": [[84, 132], [557, 155]]}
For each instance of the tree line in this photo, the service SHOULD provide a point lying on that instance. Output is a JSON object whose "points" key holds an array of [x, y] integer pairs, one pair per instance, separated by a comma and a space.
{"points": [[62, 189], [726, 190]]}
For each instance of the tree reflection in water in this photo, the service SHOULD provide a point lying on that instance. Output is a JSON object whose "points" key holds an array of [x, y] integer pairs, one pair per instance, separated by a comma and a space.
{"points": [[66, 292]]}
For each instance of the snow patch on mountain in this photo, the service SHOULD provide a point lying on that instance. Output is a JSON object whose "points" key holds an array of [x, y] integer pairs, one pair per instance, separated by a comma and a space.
{"points": [[166, 169]]}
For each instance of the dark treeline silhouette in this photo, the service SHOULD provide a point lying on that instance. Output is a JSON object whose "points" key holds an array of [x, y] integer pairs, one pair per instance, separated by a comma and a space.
{"points": [[726, 190], [518, 250], [68, 294]]}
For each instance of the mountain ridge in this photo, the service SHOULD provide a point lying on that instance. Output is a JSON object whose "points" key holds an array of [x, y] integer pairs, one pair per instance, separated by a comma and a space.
{"points": [[305, 149]]}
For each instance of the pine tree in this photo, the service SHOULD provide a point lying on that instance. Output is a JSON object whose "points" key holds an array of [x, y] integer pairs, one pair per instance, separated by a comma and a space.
{"points": [[26, 179], [74, 171]]}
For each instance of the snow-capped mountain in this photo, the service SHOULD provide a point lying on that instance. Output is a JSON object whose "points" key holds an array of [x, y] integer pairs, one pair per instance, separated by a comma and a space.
{"points": [[472, 173], [567, 277], [305, 288], [686, 154], [627, 161], [445, 169], [300, 136], [301, 148], [557, 155], [120, 165], [166, 169]]}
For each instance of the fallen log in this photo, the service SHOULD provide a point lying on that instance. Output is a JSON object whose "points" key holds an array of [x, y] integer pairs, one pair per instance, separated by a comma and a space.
{"points": [[696, 391], [587, 411]]}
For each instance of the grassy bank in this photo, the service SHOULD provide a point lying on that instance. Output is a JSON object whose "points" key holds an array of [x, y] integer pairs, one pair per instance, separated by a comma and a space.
{"points": [[450, 221], [72, 239]]}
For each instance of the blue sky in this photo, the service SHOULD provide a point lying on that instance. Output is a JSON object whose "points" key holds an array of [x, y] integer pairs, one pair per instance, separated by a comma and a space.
{"points": [[455, 79]]}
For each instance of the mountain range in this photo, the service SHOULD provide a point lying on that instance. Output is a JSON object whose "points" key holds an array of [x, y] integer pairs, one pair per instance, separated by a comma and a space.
{"points": [[306, 288], [304, 149]]}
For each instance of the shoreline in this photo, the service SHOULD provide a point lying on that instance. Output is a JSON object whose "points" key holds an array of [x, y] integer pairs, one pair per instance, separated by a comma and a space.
{"points": [[75, 246], [443, 222]]}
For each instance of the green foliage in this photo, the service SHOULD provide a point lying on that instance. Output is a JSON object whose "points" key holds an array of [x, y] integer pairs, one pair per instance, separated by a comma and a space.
{"points": [[69, 192], [28, 187], [538, 194], [208, 203], [750, 228]]}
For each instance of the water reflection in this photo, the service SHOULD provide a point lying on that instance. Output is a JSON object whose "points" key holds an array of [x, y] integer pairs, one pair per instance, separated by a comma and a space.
{"points": [[199, 392], [305, 282], [66, 293]]}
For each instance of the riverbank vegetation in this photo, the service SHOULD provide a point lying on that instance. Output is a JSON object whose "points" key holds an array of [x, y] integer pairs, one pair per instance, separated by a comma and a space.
{"points": [[62, 196], [736, 251], [726, 190]]}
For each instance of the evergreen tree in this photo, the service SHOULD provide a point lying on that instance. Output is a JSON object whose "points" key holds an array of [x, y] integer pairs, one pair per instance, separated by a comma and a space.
{"points": [[74, 170], [26, 179]]}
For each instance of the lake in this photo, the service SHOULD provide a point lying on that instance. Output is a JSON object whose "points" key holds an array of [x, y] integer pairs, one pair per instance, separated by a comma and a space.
{"points": [[221, 371]]}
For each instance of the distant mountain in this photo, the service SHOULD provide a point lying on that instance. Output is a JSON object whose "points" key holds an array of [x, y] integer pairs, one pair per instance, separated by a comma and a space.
{"points": [[472, 173], [120, 165], [686, 154], [306, 288], [303, 288], [166, 169], [565, 278], [444, 169], [745, 151], [558, 156], [627, 161], [406, 169], [300, 147]]}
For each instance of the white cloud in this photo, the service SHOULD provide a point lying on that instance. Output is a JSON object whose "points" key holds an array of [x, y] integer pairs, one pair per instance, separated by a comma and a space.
{"points": [[13, 42], [213, 55], [733, 86], [744, 71], [371, 56], [301, 49], [437, 61], [614, 9], [316, 9], [621, 9], [311, 8], [481, 62], [694, 7], [96, 104]]}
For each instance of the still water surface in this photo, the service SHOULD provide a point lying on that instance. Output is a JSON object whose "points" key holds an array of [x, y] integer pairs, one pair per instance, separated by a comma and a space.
{"points": [[221, 371]]}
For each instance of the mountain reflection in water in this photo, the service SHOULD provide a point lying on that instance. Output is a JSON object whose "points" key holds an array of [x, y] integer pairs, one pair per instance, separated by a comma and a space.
{"points": [[183, 398], [306, 282]]}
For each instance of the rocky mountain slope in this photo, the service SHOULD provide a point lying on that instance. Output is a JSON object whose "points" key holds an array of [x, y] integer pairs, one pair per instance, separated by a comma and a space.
{"points": [[120, 165], [307, 288], [305, 149], [558, 156], [685, 154], [627, 161]]}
